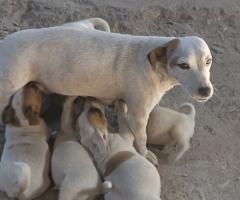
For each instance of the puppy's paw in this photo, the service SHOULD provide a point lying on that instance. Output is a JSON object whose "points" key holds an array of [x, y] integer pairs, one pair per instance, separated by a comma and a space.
{"points": [[152, 157]]}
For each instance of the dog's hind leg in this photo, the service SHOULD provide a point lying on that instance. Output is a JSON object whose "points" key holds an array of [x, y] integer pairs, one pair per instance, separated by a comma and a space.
{"points": [[183, 147]]}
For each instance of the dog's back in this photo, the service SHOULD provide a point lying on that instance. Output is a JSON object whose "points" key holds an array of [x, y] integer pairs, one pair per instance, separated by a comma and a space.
{"points": [[71, 158], [32, 151], [74, 172], [134, 176]]}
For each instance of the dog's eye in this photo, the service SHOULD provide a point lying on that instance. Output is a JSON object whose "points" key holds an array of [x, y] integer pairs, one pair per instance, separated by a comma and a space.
{"points": [[208, 62], [184, 66]]}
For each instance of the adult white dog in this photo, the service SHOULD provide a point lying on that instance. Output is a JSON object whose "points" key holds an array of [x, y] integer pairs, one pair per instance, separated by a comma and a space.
{"points": [[108, 66], [132, 176], [73, 170], [24, 166]]}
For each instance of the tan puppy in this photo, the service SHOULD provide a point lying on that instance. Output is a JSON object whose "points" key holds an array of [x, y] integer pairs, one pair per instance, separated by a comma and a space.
{"points": [[166, 126], [73, 170], [132, 176], [24, 165]]}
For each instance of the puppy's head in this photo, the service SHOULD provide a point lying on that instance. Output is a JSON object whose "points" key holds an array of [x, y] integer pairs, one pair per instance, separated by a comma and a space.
{"points": [[188, 60], [24, 107], [92, 125]]}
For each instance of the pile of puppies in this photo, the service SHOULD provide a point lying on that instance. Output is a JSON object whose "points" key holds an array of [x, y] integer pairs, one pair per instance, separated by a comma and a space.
{"points": [[87, 159]]}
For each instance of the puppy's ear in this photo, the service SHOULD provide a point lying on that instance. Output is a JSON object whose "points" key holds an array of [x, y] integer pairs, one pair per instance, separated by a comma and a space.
{"points": [[9, 117], [97, 118], [32, 103], [162, 54], [32, 113]]}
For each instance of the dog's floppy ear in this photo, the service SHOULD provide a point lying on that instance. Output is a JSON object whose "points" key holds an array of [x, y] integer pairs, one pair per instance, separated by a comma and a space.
{"points": [[97, 119], [32, 103], [162, 54], [9, 117]]}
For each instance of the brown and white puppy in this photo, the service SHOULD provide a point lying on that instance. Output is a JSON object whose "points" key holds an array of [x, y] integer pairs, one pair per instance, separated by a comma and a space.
{"points": [[24, 165], [108, 66], [73, 170], [132, 176], [166, 126]]}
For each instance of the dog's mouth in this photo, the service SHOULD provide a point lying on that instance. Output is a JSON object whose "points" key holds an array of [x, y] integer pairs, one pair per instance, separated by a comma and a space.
{"points": [[201, 99]]}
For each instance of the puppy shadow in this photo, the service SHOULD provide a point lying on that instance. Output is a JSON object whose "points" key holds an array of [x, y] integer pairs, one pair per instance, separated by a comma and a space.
{"points": [[3, 196], [50, 194], [158, 150]]}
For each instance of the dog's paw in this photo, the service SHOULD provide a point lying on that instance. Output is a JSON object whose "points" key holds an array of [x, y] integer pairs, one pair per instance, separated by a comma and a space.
{"points": [[152, 157]]}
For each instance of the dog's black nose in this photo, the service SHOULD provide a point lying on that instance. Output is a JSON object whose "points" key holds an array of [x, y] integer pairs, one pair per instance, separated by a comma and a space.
{"points": [[204, 91]]}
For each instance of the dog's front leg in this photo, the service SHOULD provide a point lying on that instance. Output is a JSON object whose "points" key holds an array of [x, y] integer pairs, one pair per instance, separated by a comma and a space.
{"points": [[137, 121]]}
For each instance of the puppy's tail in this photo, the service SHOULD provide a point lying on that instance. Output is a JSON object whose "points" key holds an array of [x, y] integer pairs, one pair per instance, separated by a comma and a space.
{"points": [[191, 112], [99, 23], [106, 186], [14, 178]]}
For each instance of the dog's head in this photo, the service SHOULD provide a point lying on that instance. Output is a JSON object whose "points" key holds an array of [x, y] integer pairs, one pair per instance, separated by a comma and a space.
{"points": [[24, 107], [187, 60], [92, 124]]}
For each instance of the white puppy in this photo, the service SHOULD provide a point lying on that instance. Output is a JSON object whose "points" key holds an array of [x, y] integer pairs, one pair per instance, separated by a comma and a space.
{"points": [[109, 66], [166, 126], [90, 23], [24, 165], [73, 170], [132, 176]]}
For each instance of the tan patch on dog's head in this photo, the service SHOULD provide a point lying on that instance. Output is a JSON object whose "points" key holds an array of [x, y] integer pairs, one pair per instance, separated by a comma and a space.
{"points": [[163, 53], [97, 118], [9, 116], [32, 103]]}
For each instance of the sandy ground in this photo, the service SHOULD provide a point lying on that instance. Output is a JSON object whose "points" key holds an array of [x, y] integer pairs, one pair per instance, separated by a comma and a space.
{"points": [[211, 169]]}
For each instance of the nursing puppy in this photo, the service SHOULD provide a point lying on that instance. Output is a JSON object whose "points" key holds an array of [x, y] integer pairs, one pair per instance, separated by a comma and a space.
{"points": [[90, 23], [132, 176], [166, 126], [24, 165], [73, 170], [108, 66]]}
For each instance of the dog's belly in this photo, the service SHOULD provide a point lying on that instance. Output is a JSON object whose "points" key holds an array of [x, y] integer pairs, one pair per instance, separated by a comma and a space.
{"points": [[82, 85]]}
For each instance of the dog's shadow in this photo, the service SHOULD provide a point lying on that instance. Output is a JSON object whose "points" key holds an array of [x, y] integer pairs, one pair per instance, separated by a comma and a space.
{"points": [[158, 150]]}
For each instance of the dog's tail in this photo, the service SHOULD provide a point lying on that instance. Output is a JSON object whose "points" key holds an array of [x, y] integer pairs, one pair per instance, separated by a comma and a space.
{"points": [[90, 23], [191, 112], [99, 23], [14, 178], [106, 186]]}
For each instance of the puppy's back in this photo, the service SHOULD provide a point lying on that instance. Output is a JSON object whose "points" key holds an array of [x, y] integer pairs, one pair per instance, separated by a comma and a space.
{"points": [[71, 158]]}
